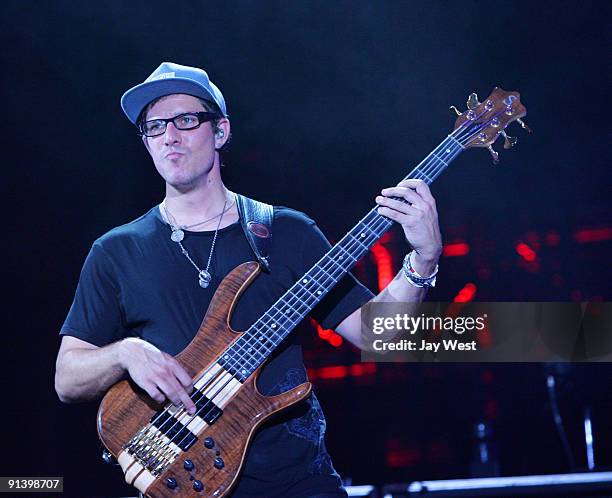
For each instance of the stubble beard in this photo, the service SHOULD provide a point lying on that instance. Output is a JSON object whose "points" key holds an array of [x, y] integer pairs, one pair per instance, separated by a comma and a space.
{"points": [[187, 181]]}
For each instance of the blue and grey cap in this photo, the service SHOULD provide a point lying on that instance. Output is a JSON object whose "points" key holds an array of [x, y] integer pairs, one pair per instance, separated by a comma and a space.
{"points": [[167, 79]]}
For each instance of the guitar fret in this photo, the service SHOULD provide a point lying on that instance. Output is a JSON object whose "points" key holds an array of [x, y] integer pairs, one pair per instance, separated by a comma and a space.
{"points": [[439, 159], [253, 350], [358, 240], [347, 253], [456, 141], [305, 289], [327, 274], [425, 175], [369, 229], [298, 301], [336, 263], [261, 342], [243, 353], [324, 277]]}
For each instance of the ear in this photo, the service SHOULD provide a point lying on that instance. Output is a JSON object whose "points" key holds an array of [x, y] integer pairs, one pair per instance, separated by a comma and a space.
{"points": [[223, 133]]}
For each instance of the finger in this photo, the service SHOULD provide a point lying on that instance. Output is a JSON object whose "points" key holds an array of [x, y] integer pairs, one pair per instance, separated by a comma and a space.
{"points": [[403, 219], [186, 401], [402, 207], [421, 188], [176, 393], [170, 387], [153, 392], [181, 374], [405, 193]]}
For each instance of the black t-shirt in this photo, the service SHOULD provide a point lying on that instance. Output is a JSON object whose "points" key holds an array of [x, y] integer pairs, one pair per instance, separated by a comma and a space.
{"points": [[136, 282]]}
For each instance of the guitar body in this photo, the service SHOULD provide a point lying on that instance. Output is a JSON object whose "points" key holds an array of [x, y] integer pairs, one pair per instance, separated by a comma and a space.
{"points": [[126, 410]]}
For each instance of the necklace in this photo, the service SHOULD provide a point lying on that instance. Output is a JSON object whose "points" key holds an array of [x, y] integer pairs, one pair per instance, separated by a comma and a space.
{"points": [[225, 210], [178, 235]]}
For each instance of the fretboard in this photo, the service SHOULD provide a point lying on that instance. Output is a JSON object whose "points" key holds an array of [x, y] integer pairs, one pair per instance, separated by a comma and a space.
{"points": [[257, 343]]}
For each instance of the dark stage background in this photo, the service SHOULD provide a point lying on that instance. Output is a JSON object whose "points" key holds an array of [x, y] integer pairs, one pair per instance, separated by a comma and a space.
{"points": [[329, 102]]}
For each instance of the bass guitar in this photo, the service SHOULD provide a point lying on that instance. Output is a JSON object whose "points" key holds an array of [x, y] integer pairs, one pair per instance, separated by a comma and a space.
{"points": [[164, 451]]}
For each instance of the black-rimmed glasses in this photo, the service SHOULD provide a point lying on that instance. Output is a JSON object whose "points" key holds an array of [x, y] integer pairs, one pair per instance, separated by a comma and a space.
{"points": [[185, 121]]}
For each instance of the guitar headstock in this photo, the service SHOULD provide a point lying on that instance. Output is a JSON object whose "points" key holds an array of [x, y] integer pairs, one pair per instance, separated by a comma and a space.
{"points": [[484, 122]]}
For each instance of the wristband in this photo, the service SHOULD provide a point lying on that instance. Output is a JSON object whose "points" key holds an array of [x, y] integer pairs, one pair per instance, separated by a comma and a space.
{"points": [[413, 276]]}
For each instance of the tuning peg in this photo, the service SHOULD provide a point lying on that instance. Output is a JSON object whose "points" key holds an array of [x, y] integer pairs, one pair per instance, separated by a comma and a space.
{"points": [[524, 125], [472, 101], [494, 154], [455, 110], [509, 141]]}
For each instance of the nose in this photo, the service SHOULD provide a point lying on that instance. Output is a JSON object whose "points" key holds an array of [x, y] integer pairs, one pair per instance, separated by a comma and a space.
{"points": [[171, 135]]}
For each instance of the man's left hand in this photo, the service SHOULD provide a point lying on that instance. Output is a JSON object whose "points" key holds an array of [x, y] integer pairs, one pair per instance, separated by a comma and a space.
{"points": [[419, 219]]}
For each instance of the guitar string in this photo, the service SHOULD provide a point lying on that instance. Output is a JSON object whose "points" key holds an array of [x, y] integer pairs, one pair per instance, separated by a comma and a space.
{"points": [[434, 163]]}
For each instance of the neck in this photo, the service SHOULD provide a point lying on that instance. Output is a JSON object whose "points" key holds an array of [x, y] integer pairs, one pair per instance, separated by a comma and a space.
{"points": [[195, 205]]}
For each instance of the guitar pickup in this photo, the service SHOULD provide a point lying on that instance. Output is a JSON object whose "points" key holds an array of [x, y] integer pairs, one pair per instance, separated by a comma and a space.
{"points": [[207, 410], [174, 430]]}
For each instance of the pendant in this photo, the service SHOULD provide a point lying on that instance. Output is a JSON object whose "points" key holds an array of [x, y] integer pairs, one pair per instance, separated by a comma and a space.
{"points": [[204, 278], [177, 235]]}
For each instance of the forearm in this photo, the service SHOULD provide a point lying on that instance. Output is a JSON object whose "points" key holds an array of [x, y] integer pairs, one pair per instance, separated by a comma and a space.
{"points": [[84, 374], [400, 290]]}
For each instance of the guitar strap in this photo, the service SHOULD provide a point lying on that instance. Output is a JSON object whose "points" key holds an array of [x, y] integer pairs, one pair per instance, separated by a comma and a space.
{"points": [[256, 222]]}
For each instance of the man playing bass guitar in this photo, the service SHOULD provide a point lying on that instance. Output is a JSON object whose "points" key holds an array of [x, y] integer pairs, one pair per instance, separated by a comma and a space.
{"points": [[146, 285]]}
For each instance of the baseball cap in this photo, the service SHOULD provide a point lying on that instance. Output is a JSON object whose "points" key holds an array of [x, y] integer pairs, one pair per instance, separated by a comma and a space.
{"points": [[167, 79]]}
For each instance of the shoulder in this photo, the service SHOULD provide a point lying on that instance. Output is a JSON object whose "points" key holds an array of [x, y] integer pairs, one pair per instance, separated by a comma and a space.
{"points": [[287, 218], [142, 228], [295, 231]]}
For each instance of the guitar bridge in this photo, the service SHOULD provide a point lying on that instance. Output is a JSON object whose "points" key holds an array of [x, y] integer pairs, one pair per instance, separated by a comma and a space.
{"points": [[152, 450]]}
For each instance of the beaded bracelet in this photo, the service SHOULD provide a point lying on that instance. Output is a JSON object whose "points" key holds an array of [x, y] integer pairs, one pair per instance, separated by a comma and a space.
{"points": [[414, 278]]}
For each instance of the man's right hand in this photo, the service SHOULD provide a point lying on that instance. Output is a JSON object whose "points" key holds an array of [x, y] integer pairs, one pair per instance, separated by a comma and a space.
{"points": [[85, 371], [158, 373]]}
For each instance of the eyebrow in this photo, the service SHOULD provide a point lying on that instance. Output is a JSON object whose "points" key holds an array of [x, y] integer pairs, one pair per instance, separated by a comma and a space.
{"points": [[176, 115]]}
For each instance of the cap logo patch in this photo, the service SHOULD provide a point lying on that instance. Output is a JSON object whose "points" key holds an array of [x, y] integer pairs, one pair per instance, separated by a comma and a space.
{"points": [[163, 76], [258, 229]]}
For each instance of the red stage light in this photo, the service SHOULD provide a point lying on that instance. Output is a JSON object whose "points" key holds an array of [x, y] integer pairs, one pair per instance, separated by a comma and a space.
{"points": [[327, 334], [359, 369], [593, 235], [466, 294], [459, 248], [341, 371], [526, 252], [335, 340], [335, 372], [402, 458], [384, 264], [324, 333]]}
